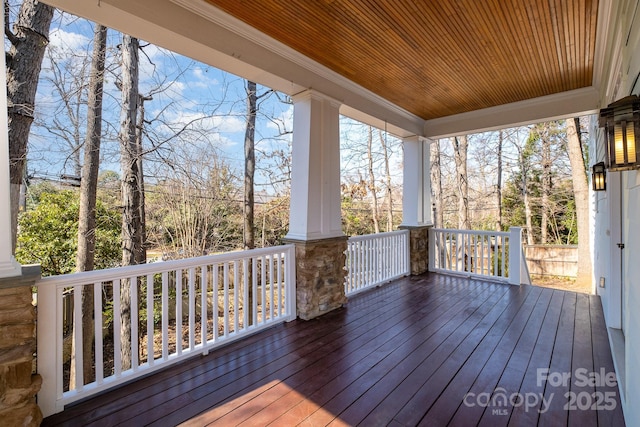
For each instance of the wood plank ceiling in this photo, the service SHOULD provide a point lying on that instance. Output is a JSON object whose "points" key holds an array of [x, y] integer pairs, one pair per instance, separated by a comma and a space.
{"points": [[439, 57]]}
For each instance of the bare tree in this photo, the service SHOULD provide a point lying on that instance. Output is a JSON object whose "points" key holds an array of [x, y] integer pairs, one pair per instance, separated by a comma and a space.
{"points": [[130, 152], [67, 74], [581, 194], [141, 253], [131, 206], [436, 183], [460, 147], [249, 166], [523, 157], [387, 175], [546, 188], [196, 210], [372, 180], [28, 39], [88, 190]]}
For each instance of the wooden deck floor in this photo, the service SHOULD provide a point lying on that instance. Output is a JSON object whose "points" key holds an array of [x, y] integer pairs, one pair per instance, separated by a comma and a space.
{"points": [[429, 350]]}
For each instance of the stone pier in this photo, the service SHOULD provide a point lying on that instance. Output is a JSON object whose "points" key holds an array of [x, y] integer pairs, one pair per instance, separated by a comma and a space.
{"points": [[418, 248], [18, 383], [320, 275]]}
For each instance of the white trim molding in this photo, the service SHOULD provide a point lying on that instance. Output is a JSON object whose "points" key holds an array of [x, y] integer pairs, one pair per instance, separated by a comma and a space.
{"points": [[562, 105]]}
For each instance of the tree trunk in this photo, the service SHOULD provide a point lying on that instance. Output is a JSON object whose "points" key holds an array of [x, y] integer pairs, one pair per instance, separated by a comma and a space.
{"points": [[129, 157], [499, 184], [387, 173], [249, 175], [525, 198], [528, 215], [436, 183], [581, 195], [249, 166], [24, 61], [88, 188], [372, 181], [460, 146], [129, 152], [141, 252], [546, 189]]}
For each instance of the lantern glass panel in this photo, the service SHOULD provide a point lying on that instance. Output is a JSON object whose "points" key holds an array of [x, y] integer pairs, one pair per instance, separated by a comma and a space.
{"points": [[631, 144], [624, 135]]}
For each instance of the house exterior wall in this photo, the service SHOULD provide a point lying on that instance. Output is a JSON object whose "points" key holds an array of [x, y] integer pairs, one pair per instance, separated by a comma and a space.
{"points": [[615, 214]]}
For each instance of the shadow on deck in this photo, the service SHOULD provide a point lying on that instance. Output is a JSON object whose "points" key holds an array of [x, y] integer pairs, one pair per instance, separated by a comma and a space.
{"points": [[427, 350]]}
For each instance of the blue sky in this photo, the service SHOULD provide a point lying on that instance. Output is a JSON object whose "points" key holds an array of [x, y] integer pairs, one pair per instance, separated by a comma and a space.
{"points": [[183, 91]]}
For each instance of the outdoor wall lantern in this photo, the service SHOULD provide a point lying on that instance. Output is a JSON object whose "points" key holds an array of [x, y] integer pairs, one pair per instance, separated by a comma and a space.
{"points": [[599, 177], [621, 121]]}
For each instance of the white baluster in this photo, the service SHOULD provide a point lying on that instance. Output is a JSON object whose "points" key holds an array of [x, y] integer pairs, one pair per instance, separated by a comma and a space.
{"points": [[135, 316], [204, 309], [192, 308], [179, 311], [77, 336], [235, 296], [263, 277], [117, 322], [226, 298], [150, 321], [165, 315], [99, 347], [215, 270], [245, 290]]}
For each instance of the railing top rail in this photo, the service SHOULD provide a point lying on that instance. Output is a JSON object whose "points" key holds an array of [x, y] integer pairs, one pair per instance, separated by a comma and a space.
{"points": [[476, 232], [378, 235], [155, 267]]}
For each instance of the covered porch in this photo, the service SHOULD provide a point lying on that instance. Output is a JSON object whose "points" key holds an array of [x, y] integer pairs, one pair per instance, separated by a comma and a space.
{"points": [[429, 349], [426, 350]]}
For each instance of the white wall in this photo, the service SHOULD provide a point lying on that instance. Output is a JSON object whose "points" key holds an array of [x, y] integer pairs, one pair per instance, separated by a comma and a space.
{"points": [[631, 296], [616, 213]]}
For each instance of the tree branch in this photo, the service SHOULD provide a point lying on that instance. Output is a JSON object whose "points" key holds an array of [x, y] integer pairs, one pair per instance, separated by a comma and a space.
{"points": [[7, 30]]}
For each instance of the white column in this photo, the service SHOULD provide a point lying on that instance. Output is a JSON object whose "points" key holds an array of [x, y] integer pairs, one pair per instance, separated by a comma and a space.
{"points": [[416, 182], [8, 265], [515, 255], [315, 168]]}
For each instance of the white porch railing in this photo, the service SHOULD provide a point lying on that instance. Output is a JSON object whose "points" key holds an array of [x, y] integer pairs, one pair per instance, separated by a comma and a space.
{"points": [[489, 254], [182, 308], [374, 259]]}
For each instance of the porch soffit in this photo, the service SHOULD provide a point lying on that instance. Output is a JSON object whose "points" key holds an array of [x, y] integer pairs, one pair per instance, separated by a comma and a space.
{"points": [[434, 68], [438, 58]]}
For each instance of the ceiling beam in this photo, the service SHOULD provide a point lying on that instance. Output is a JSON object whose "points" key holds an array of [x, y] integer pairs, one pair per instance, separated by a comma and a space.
{"points": [[563, 105]]}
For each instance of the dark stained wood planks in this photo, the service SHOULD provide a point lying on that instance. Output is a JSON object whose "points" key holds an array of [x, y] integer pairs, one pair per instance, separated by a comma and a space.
{"points": [[404, 354]]}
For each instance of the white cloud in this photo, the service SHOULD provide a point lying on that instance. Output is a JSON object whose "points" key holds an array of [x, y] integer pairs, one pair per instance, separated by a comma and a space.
{"points": [[229, 123], [67, 40], [201, 79]]}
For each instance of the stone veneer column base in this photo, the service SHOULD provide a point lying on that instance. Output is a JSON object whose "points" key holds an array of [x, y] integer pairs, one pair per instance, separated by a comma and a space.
{"points": [[418, 247], [18, 384], [320, 275]]}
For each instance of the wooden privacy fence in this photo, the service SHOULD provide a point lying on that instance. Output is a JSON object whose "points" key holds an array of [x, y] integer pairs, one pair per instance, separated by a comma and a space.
{"points": [[178, 309], [552, 260]]}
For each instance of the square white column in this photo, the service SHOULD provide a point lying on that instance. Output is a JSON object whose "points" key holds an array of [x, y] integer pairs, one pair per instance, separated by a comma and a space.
{"points": [[416, 182], [315, 168]]}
